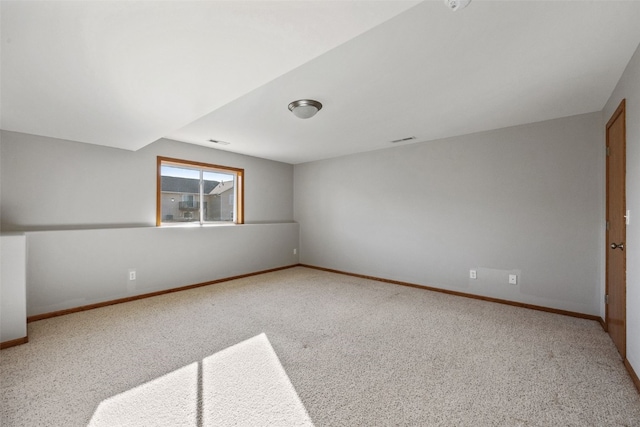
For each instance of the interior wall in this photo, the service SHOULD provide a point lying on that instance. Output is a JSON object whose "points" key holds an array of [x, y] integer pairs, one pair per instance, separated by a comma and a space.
{"points": [[51, 184], [13, 254], [629, 88], [526, 200], [88, 213], [72, 268]]}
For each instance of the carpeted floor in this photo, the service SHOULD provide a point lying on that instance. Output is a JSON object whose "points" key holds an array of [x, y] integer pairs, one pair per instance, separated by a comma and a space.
{"points": [[306, 346]]}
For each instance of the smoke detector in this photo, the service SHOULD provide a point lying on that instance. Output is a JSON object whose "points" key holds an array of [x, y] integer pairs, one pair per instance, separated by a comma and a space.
{"points": [[457, 4]]}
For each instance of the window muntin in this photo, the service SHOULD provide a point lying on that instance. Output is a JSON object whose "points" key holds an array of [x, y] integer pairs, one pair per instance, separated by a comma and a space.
{"points": [[198, 193]]}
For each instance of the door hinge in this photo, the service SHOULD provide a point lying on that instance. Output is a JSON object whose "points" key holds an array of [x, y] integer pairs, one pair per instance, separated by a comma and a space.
{"points": [[606, 299], [608, 151], [607, 225]]}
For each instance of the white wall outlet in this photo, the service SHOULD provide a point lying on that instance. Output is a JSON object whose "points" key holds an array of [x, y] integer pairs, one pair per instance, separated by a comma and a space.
{"points": [[513, 279], [132, 274], [473, 274], [295, 251]]}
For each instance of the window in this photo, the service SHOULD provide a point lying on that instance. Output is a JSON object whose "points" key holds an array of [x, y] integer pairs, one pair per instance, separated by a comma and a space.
{"points": [[198, 193]]}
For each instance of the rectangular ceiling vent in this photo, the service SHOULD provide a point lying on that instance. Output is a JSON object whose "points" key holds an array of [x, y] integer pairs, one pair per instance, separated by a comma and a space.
{"points": [[215, 141], [395, 141]]}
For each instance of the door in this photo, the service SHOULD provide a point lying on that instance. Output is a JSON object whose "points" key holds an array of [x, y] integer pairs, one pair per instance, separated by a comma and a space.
{"points": [[616, 278]]}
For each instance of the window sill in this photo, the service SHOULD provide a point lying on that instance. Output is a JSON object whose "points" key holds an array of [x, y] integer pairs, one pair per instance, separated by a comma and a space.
{"points": [[195, 225]]}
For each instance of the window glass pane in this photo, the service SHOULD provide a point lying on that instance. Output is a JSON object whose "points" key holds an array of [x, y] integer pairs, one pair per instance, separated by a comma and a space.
{"points": [[180, 196], [193, 192], [219, 188]]}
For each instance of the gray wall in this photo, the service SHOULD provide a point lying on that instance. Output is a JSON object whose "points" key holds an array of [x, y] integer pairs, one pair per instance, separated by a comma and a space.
{"points": [[13, 316], [526, 200], [51, 184], [89, 216], [71, 268], [629, 88]]}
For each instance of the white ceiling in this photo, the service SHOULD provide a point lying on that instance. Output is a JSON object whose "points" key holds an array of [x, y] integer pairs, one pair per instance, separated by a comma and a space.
{"points": [[124, 74]]}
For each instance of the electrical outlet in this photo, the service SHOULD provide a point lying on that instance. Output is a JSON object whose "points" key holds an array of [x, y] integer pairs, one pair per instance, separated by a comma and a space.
{"points": [[513, 279], [295, 251], [132, 274], [473, 274]]}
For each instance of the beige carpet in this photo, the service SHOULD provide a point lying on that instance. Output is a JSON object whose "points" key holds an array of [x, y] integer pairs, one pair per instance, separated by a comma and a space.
{"points": [[301, 346]]}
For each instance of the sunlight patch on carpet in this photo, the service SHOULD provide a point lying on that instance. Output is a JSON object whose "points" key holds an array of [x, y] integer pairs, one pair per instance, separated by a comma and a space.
{"points": [[242, 385]]}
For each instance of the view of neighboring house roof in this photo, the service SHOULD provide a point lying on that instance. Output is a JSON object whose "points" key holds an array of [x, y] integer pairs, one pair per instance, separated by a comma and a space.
{"points": [[174, 184], [222, 187]]}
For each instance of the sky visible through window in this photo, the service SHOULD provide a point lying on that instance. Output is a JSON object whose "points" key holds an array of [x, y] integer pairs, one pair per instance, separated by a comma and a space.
{"points": [[181, 172]]}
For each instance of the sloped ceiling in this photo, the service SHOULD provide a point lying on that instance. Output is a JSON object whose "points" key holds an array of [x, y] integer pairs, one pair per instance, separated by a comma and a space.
{"points": [[124, 74]]}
